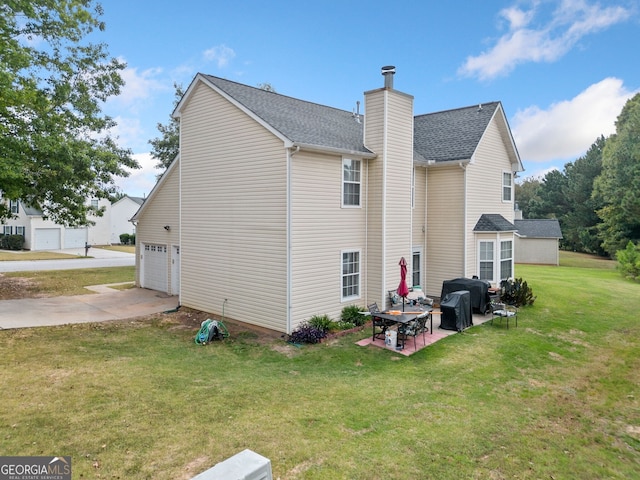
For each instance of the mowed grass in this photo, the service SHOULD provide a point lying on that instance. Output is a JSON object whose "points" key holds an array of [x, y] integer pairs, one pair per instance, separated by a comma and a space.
{"points": [[557, 397], [72, 282]]}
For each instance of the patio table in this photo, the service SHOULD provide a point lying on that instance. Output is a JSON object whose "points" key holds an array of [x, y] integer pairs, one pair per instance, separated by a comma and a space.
{"points": [[406, 317]]}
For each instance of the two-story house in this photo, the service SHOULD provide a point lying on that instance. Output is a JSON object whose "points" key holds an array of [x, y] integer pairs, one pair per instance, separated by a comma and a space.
{"points": [[43, 234], [278, 209]]}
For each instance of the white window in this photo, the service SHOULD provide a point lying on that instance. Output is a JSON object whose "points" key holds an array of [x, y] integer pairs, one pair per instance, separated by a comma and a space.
{"points": [[94, 203], [415, 273], [485, 268], [350, 274], [506, 259], [20, 230], [350, 183], [507, 187], [14, 206], [7, 229]]}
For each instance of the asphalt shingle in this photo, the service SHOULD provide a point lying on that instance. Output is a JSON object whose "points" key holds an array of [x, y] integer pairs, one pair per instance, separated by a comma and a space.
{"points": [[493, 222]]}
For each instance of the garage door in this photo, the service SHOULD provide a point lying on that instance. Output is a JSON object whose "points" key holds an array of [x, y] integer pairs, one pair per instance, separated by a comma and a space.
{"points": [[47, 239], [154, 267], [75, 237]]}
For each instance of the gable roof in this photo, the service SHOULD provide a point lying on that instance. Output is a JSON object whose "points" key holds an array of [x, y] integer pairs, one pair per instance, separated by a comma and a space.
{"points": [[449, 135], [493, 222], [538, 228], [300, 122], [454, 135]]}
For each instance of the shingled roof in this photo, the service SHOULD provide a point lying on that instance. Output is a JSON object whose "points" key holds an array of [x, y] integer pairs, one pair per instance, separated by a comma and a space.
{"points": [[300, 121], [493, 222], [538, 228], [452, 134], [442, 136]]}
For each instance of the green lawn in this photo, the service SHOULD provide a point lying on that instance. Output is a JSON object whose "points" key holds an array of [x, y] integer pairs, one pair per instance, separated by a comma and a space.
{"points": [[557, 397]]}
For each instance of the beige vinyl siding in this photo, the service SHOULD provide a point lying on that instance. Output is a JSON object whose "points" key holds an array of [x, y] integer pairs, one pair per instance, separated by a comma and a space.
{"points": [[389, 133], [484, 188], [161, 210], [419, 218], [373, 138], [399, 170], [233, 213], [321, 230], [445, 227]]}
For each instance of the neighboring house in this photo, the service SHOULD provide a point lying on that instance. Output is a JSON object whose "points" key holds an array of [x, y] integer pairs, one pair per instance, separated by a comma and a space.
{"points": [[41, 234], [278, 209], [537, 241], [121, 213]]}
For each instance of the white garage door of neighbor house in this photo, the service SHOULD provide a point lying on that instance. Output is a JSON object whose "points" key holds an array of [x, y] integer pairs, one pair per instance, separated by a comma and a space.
{"points": [[47, 239], [154, 267], [75, 237]]}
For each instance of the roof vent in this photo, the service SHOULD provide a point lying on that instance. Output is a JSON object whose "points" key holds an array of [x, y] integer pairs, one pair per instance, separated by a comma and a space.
{"points": [[388, 72]]}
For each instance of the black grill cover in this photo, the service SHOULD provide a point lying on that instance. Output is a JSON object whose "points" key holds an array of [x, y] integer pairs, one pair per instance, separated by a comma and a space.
{"points": [[456, 311], [479, 290]]}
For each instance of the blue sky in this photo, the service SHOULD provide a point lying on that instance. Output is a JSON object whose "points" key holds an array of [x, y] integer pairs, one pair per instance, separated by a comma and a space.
{"points": [[563, 69]]}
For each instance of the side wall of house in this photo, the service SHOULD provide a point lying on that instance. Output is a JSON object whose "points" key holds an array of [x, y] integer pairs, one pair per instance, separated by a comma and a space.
{"points": [[321, 230], [484, 190], [233, 213], [419, 222], [160, 212], [445, 226]]}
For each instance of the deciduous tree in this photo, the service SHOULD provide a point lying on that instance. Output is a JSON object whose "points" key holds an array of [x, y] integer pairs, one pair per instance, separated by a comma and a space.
{"points": [[55, 150]]}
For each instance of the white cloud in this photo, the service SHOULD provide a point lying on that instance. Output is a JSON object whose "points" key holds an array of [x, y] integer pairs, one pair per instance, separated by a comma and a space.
{"points": [[547, 42], [140, 182], [566, 130], [139, 86], [129, 132], [221, 54]]}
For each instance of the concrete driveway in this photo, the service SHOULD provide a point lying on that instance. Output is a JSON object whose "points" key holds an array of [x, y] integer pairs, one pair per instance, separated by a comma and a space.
{"points": [[106, 304]]}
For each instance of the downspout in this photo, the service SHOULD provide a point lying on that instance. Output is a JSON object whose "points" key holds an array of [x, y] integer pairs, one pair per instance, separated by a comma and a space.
{"points": [[464, 229], [291, 151]]}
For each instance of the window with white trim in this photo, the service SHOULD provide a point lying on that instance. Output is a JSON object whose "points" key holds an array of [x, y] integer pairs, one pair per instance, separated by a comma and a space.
{"points": [[20, 230], [485, 257], [94, 203], [350, 182], [507, 186], [350, 274], [7, 229], [14, 206], [506, 259]]}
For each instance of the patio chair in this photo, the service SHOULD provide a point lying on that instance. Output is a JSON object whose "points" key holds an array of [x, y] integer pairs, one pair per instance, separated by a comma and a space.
{"points": [[378, 322], [502, 310], [413, 329]]}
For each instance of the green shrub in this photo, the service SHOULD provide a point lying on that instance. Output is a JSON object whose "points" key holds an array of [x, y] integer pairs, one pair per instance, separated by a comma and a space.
{"points": [[629, 261], [124, 238], [351, 314], [11, 242], [516, 292], [321, 322]]}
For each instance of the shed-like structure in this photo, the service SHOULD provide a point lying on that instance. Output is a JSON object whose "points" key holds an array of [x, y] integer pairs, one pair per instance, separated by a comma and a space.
{"points": [[537, 241]]}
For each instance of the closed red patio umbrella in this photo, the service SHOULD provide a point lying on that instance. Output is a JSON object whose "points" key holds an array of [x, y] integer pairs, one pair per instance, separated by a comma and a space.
{"points": [[403, 290]]}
